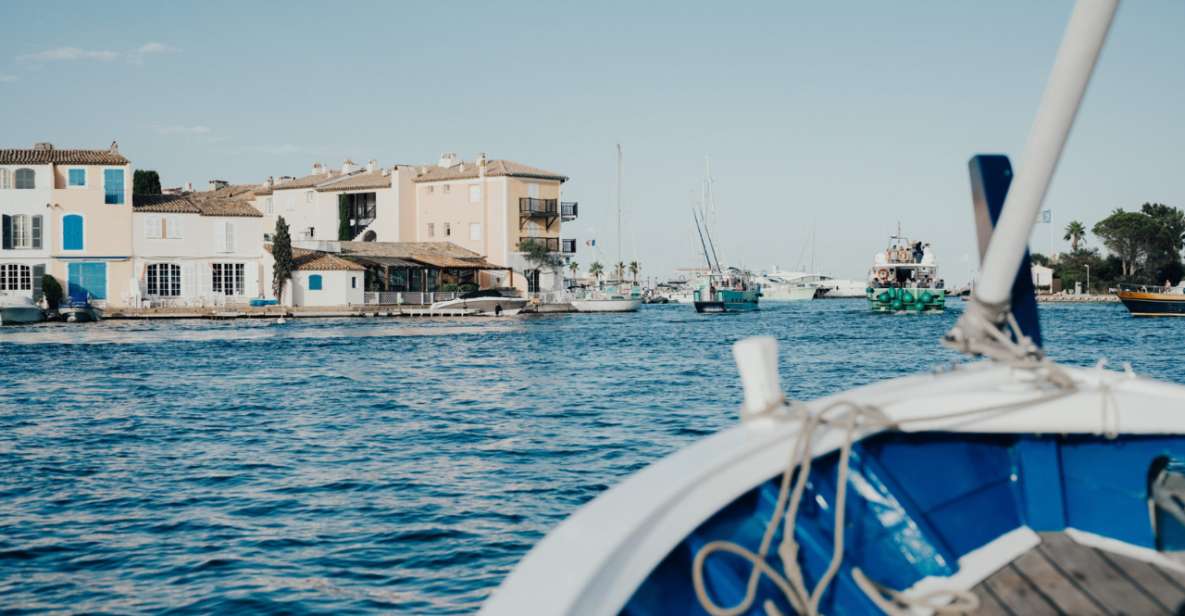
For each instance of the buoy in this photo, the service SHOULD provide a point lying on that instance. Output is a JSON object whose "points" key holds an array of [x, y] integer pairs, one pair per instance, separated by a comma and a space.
{"points": [[897, 305], [907, 297], [927, 297]]}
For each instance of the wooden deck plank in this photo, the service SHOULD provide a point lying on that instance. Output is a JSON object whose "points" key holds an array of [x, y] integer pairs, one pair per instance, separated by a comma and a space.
{"points": [[989, 605], [1064, 592], [1017, 594], [1106, 586], [1169, 594]]}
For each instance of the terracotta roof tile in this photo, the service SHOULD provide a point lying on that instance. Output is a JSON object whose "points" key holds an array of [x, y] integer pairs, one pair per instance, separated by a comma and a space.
{"points": [[228, 201], [494, 168], [316, 261], [61, 157], [356, 181], [307, 181]]}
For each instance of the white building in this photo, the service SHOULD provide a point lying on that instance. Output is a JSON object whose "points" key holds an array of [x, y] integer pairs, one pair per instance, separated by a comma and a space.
{"points": [[319, 279], [1042, 278], [26, 193], [199, 249]]}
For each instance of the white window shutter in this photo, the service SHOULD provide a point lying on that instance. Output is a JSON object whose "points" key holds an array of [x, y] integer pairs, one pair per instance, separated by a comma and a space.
{"points": [[177, 227], [219, 238], [230, 236], [205, 279], [187, 286]]}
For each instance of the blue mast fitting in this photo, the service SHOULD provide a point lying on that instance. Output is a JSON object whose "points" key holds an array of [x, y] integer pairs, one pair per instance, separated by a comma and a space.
{"points": [[991, 174]]}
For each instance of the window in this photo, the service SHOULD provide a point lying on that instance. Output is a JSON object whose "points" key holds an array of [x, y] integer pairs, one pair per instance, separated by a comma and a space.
{"points": [[353, 282], [361, 210], [308, 197], [154, 227], [24, 179], [5, 179], [228, 278], [164, 279], [475, 194], [174, 228], [15, 277], [22, 232], [224, 236], [72, 232], [475, 231], [446, 188], [76, 177], [431, 230], [267, 204], [448, 230], [315, 282], [113, 186], [429, 189]]}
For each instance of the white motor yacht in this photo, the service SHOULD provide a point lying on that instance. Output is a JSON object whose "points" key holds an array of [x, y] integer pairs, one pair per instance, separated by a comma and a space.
{"points": [[489, 302], [17, 309]]}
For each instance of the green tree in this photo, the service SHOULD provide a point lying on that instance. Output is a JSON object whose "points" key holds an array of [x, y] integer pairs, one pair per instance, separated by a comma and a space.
{"points": [[1040, 259], [574, 267], [145, 182], [619, 270], [596, 269], [282, 254], [1075, 234], [1126, 235], [634, 270], [1165, 243], [538, 256], [343, 219]]}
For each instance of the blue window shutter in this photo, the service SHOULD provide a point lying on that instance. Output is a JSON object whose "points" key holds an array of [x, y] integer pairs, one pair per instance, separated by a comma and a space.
{"points": [[315, 282], [72, 232], [113, 186], [78, 177]]}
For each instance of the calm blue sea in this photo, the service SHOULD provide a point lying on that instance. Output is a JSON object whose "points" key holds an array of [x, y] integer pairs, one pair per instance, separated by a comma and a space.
{"points": [[363, 465]]}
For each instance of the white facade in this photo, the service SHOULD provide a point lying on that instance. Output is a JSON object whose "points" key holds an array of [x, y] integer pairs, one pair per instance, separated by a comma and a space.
{"points": [[28, 228], [327, 288], [191, 259]]}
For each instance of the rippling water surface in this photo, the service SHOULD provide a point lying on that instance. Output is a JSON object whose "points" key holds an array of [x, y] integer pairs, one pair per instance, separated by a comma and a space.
{"points": [[389, 465]]}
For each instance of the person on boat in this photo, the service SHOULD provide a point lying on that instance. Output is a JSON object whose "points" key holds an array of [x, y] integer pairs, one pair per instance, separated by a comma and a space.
{"points": [[917, 252]]}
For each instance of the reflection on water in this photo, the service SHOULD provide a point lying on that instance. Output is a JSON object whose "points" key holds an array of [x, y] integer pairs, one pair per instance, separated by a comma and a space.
{"points": [[388, 464]]}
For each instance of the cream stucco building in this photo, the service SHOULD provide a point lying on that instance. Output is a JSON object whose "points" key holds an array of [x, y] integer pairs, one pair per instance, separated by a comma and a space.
{"points": [[67, 213]]}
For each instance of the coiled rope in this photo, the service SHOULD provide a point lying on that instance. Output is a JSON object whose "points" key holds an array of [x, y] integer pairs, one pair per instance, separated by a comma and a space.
{"points": [[1018, 352]]}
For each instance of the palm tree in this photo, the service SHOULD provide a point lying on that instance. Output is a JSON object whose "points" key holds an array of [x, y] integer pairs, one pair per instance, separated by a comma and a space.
{"points": [[634, 269], [620, 269], [596, 269], [575, 267], [1075, 234]]}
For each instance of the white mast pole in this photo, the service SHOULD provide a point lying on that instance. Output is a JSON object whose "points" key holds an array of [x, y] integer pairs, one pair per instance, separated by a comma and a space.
{"points": [[1081, 44], [618, 205]]}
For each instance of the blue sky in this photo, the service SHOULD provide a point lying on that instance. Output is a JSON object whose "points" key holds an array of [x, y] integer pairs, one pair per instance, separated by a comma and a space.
{"points": [[838, 117]]}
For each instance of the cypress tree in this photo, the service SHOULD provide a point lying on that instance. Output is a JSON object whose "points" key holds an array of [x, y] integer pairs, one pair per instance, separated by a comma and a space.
{"points": [[145, 182], [282, 254]]}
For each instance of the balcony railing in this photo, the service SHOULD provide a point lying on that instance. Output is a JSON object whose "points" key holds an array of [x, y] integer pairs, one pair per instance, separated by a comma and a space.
{"points": [[553, 244], [530, 206], [568, 210]]}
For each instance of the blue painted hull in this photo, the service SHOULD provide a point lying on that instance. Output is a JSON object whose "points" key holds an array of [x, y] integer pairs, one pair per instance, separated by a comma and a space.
{"points": [[918, 503], [727, 300]]}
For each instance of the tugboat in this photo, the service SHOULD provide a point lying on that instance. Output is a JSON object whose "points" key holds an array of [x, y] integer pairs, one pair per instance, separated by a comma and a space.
{"points": [[904, 278], [1143, 301]]}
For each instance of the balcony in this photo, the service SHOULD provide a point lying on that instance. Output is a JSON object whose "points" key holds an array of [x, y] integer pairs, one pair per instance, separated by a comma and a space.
{"points": [[568, 211], [553, 244], [530, 207]]}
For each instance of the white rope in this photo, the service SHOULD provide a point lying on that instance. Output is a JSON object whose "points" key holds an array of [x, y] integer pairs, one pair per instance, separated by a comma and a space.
{"points": [[854, 418]]}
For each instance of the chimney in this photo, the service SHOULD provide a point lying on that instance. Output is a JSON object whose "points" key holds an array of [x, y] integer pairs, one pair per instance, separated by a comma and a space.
{"points": [[348, 167], [481, 159], [271, 181], [218, 184], [448, 160], [372, 166], [42, 146], [285, 178], [114, 147], [317, 169]]}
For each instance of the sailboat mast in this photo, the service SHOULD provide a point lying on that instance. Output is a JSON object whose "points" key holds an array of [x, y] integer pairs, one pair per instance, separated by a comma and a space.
{"points": [[698, 229], [619, 203]]}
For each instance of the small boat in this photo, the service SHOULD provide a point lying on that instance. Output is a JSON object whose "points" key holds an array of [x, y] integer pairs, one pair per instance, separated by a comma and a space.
{"points": [[904, 278], [18, 310], [488, 302], [80, 312], [732, 291], [1144, 301], [610, 298], [841, 288], [1014, 482]]}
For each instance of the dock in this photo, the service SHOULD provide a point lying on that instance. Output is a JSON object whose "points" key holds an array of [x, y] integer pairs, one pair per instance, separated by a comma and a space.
{"points": [[288, 312]]}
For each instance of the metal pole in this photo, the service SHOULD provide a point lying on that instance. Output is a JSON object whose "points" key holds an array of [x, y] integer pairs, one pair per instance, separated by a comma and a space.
{"points": [[1081, 44], [1088, 279]]}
